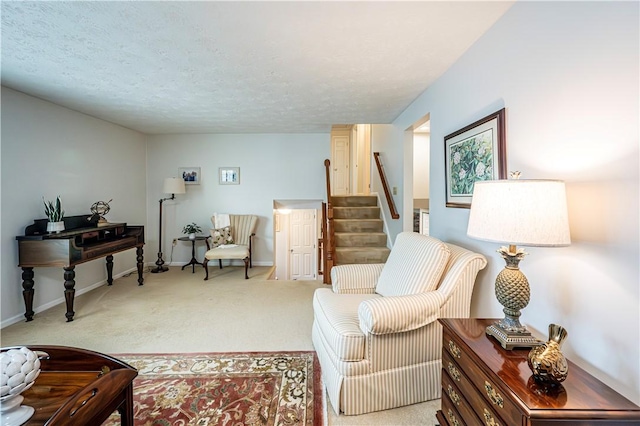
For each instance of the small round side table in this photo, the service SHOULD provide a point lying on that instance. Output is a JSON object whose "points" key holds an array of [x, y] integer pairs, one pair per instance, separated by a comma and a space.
{"points": [[193, 260]]}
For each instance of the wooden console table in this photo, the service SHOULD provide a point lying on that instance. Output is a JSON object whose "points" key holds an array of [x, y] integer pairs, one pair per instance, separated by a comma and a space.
{"points": [[82, 240], [483, 384], [79, 387]]}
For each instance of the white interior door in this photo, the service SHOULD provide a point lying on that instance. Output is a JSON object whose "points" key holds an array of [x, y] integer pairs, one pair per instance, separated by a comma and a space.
{"points": [[302, 244], [340, 164], [363, 159]]}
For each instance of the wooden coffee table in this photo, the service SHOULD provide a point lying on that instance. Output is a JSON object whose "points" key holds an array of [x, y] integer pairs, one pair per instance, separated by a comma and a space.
{"points": [[79, 387]]}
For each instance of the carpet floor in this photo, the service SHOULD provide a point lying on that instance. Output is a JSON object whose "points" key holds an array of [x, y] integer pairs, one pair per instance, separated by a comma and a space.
{"points": [[261, 389], [179, 312]]}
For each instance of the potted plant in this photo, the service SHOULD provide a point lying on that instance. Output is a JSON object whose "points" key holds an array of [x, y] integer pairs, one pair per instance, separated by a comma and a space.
{"points": [[55, 214], [191, 229]]}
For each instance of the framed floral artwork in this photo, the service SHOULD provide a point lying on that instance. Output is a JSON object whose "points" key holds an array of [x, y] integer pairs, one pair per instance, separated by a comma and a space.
{"points": [[474, 153]]}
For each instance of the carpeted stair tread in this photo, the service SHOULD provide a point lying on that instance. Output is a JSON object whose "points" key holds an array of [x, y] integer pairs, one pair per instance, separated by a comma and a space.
{"points": [[358, 225], [354, 200], [367, 212], [361, 255], [360, 239]]}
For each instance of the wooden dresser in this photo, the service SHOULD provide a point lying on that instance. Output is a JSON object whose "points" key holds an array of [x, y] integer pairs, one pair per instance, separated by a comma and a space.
{"points": [[483, 384]]}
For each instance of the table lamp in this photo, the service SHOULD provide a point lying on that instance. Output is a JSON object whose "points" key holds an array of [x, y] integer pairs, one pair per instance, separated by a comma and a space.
{"points": [[171, 186], [518, 213]]}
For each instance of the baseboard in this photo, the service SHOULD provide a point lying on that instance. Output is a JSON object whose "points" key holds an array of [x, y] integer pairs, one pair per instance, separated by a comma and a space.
{"points": [[60, 300], [233, 263]]}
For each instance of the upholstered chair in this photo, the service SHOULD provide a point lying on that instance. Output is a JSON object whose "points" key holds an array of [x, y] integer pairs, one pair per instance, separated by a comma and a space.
{"points": [[233, 241], [376, 331]]}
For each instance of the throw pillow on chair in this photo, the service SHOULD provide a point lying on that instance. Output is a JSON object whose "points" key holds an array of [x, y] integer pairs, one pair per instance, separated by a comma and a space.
{"points": [[221, 236]]}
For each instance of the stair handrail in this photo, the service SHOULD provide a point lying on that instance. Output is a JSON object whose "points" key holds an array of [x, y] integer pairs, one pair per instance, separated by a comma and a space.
{"points": [[328, 236], [385, 186]]}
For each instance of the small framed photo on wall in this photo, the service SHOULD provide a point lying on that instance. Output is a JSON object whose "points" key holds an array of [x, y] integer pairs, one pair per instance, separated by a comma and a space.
{"points": [[229, 175], [190, 175]]}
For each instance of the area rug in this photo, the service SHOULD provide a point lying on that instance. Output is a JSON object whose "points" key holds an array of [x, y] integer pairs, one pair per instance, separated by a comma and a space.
{"points": [[205, 389]]}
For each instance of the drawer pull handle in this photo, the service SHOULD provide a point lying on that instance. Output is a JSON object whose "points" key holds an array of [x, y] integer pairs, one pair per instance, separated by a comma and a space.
{"points": [[453, 395], [452, 418], [455, 350], [488, 419], [493, 395], [453, 372]]}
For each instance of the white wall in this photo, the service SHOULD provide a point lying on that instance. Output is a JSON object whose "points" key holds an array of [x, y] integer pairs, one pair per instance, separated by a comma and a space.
{"points": [[272, 167], [421, 160], [48, 150], [567, 74], [387, 140]]}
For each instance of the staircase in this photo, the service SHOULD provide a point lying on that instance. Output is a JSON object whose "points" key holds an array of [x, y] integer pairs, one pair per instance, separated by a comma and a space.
{"points": [[358, 230]]}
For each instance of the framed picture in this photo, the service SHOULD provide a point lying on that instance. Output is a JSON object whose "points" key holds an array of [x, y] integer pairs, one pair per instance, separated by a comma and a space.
{"points": [[191, 175], [475, 153], [229, 175]]}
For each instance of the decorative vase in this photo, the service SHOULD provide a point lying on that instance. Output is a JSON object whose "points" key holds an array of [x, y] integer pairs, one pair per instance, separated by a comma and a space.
{"points": [[546, 361], [192, 236], [55, 226], [19, 369]]}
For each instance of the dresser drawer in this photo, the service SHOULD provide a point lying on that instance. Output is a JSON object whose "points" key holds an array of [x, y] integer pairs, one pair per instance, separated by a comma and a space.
{"points": [[450, 413], [458, 399], [493, 402]]}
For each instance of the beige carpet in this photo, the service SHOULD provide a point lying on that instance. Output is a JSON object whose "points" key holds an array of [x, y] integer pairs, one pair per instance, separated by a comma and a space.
{"points": [[178, 311]]}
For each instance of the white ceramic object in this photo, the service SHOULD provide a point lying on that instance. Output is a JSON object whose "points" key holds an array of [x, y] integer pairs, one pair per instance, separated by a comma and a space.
{"points": [[55, 226], [19, 369]]}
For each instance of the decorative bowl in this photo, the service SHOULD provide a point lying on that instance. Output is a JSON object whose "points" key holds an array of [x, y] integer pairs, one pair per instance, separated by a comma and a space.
{"points": [[19, 368]]}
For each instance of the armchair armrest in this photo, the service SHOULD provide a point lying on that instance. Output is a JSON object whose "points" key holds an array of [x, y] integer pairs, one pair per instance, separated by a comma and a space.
{"points": [[352, 279], [395, 314]]}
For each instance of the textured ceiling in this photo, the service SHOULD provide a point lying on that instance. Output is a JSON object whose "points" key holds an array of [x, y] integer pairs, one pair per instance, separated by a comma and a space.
{"points": [[236, 67]]}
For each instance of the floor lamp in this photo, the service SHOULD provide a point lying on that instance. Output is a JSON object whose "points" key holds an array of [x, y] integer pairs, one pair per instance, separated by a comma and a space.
{"points": [[171, 186]]}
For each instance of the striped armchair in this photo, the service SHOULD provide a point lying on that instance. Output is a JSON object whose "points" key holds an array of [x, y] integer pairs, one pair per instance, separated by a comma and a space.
{"points": [[375, 330]]}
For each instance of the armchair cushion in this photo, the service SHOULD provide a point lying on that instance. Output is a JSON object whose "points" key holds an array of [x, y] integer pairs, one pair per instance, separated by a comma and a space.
{"points": [[337, 317], [231, 251], [415, 265]]}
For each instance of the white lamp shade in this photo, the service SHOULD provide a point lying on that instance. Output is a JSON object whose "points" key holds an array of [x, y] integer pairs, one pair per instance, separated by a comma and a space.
{"points": [[173, 186], [520, 212]]}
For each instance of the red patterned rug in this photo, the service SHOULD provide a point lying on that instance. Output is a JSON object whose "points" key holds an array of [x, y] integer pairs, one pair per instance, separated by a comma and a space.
{"points": [[206, 389]]}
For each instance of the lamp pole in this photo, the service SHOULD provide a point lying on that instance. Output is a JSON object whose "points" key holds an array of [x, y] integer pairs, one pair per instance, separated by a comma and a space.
{"points": [[171, 186], [160, 262]]}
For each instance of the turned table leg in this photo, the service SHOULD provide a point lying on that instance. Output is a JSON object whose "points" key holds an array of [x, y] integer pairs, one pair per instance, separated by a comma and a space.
{"points": [[139, 259], [27, 293], [109, 269], [69, 290]]}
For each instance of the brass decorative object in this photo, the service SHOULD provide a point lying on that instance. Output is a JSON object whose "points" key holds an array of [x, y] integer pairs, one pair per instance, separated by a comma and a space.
{"points": [[512, 291], [100, 209], [546, 361]]}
